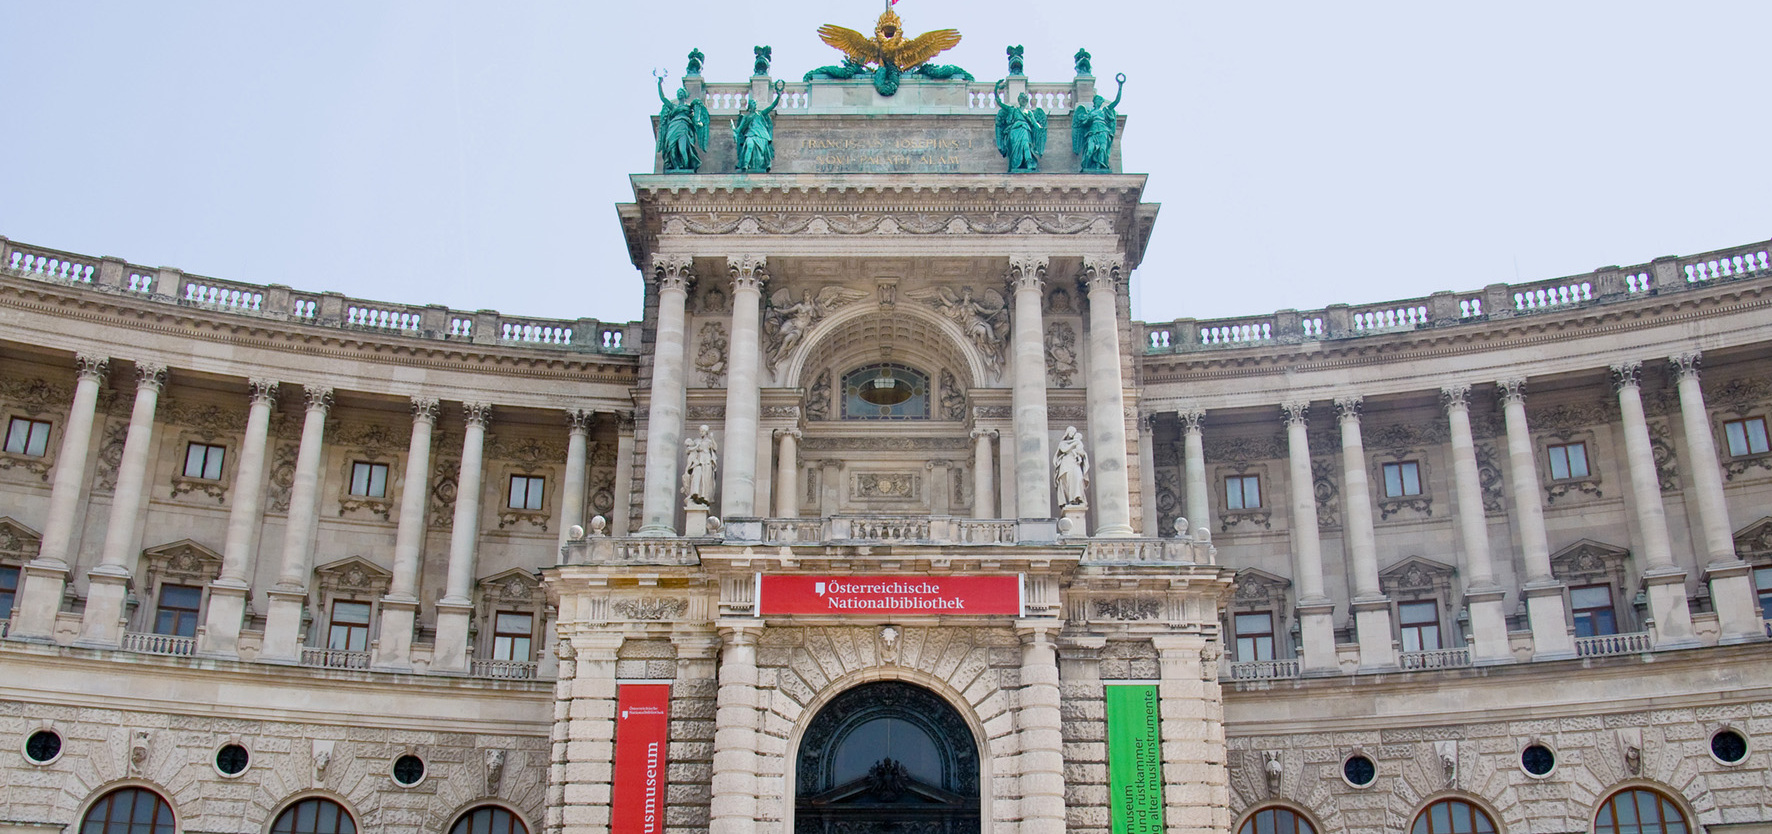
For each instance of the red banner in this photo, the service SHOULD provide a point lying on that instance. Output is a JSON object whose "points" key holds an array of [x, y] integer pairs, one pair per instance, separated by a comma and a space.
{"points": [[642, 729], [890, 595]]}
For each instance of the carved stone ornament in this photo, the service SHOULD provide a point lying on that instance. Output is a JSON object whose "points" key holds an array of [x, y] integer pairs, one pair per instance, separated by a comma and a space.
{"points": [[983, 318], [495, 771], [650, 608], [515, 586], [207, 421], [1243, 450], [1126, 608], [1327, 494], [138, 752], [910, 223], [710, 354], [886, 485], [1061, 353], [35, 396], [184, 562], [953, 397], [18, 543], [353, 576], [1259, 589], [787, 320], [818, 397]]}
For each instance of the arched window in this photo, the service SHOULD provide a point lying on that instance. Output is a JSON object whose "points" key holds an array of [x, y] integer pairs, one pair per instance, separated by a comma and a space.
{"points": [[488, 819], [1638, 811], [1453, 816], [1277, 821], [315, 816], [885, 391], [128, 811]]}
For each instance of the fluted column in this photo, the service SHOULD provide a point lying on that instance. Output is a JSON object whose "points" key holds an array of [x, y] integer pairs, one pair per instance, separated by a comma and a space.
{"points": [[107, 584], [787, 474], [227, 594], [733, 809], [1483, 598], [45, 577], [738, 478], [1106, 397], [984, 486], [283, 620], [1667, 583], [1193, 451], [664, 422], [1033, 453], [1545, 603], [1372, 609], [1039, 728], [456, 609], [572, 485], [1732, 591], [1315, 610], [399, 609]]}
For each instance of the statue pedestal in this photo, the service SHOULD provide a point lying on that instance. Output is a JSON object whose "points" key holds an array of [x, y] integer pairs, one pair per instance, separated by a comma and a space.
{"points": [[1078, 516], [695, 520]]}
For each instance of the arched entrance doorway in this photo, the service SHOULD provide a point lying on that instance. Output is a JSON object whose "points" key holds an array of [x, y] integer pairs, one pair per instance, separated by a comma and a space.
{"points": [[887, 758]]}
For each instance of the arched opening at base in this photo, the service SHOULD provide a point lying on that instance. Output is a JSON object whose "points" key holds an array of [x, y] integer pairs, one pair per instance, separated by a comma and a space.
{"points": [[887, 758]]}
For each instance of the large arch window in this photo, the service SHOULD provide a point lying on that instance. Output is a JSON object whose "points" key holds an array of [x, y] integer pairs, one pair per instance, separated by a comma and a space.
{"points": [[128, 811], [1452, 816], [489, 819], [1638, 811], [1277, 821], [315, 816], [886, 391]]}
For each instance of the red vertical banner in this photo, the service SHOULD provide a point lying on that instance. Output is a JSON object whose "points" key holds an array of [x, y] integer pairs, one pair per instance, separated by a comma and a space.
{"points": [[642, 732]]}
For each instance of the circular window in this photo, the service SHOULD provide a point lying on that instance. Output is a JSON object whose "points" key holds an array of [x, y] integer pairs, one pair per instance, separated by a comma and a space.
{"points": [[409, 770], [1729, 746], [232, 759], [1359, 771], [43, 747], [1538, 760]]}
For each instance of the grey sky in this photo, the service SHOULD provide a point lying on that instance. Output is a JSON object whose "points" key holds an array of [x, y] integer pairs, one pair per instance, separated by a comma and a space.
{"points": [[469, 154]]}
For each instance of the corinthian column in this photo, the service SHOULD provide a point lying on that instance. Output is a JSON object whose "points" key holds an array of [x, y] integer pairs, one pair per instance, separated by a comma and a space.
{"points": [[1033, 455], [399, 609], [456, 608], [45, 577], [227, 594], [283, 621], [1732, 591], [1545, 605], [1193, 450], [572, 487], [1315, 610], [738, 481], [107, 584], [1372, 609], [1482, 597], [787, 476], [1106, 397], [1667, 583], [984, 487], [664, 422]]}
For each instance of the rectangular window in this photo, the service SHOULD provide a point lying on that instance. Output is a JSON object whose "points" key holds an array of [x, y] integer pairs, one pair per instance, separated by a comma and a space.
{"points": [[1592, 605], [1568, 460], [8, 590], [177, 612], [28, 437], [511, 635], [1402, 479], [204, 461], [369, 479], [1242, 492], [1421, 625], [1746, 437], [1255, 636], [1762, 583], [526, 492], [350, 627]]}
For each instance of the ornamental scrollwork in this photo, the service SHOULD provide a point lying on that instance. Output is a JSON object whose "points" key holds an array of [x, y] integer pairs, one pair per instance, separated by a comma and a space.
{"points": [[651, 608]]}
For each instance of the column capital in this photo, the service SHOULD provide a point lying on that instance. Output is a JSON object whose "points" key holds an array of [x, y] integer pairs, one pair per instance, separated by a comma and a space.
{"points": [[91, 366], [1348, 408], [477, 414], [794, 433], [1627, 374], [1686, 364], [987, 434], [740, 632], [1038, 632], [1027, 271], [749, 272], [1294, 413], [1455, 397], [318, 397], [1191, 418], [578, 420], [1102, 272], [262, 391], [150, 375], [1511, 391], [673, 272], [424, 410]]}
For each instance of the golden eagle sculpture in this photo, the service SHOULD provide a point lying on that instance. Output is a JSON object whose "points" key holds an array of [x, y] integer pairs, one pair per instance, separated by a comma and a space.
{"points": [[888, 54]]}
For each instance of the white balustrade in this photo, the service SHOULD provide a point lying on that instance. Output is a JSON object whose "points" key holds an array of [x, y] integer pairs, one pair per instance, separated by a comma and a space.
{"points": [[304, 308], [1728, 266], [1434, 659], [612, 338], [334, 659], [460, 327], [52, 265], [535, 333], [1636, 642], [381, 318], [1312, 326], [140, 281], [504, 669], [988, 531], [1260, 670], [790, 530], [1401, 317], [1556, 296], [1637, 282], [1159, 337], [165, 644], [1470, 308], [1227, 334], [233, 299]]}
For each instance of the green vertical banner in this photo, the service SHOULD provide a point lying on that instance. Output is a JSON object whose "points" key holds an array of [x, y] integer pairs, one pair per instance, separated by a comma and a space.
{"points": [[1135, 759]]}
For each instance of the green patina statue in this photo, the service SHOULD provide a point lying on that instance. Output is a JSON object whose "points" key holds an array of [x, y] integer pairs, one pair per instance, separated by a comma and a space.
{"points": [[1092, 131], [1015, 65], [1021, 132], [1082, 59], [761, 65], [695, 59], [753, 134], [682, 131]]}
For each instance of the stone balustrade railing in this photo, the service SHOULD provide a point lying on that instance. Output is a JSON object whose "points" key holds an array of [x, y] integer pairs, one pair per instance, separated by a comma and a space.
{"points": [[167, 644], [505, 669], [1434, 659], [334, 659], [152, 285], [1342, 321], [1635, 642]]}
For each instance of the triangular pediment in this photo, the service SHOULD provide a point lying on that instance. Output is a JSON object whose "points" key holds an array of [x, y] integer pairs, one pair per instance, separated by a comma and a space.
{"points": [[18, 542], [1588, 559], [515, 585], [1256, 587], [185, 559], [1754, 542], [354, 575], [1416, 574]]}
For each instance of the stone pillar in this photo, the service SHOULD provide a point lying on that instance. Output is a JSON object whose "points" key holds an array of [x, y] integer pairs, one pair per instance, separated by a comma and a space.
{"points": [[456, 609], [1039, 729], [1006, 478], [1033, 453], [1149, 525], [1545, 603], [45, 577], [399, 609], [624, 474], [787, 476], [1106, 396], [738, 480], [1732, 591], [830, 487], [1194, 460], [290, 594], [572, 486], [984, 486], [1315, 611], [734, 807], [227, 594], [559, 741], [694, 697], [940, 487], [1196, 786], [586, 777], [1482, 596], [1667, 582], [664, 422], [1372, 609], [107, 584]]}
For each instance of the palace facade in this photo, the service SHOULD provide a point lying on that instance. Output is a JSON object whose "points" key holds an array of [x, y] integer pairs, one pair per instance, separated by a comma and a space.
{"points": [[1495, 560]]}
